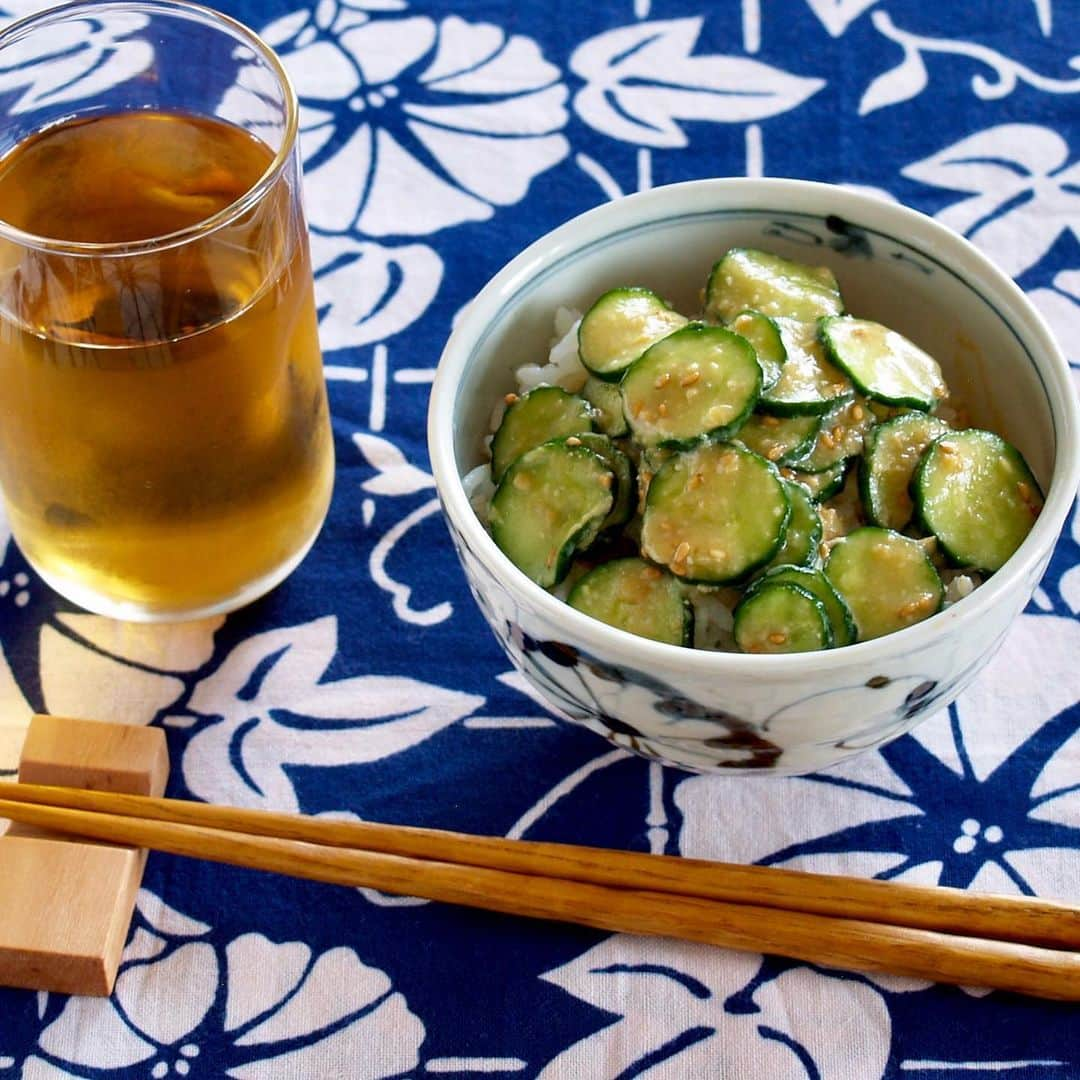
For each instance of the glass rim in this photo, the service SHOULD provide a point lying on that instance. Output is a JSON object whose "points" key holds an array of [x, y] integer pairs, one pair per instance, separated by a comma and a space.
{"points": [[17, 30]]}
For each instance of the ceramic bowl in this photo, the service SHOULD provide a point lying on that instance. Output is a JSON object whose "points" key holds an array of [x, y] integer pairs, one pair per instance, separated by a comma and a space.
{"points": [[711, 711]]}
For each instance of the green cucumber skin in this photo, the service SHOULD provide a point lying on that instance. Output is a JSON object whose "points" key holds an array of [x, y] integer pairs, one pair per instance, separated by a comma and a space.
{"points": [[800, 449], [744, 573], [775, 361], [720, 433], [955, 558], [857, 537], [747, 603], [584, 423], [817, 530], [616, 374], [837, 359], [578, 540], [622, 468], [714, 287], [867, 495], [844, 630], [577, 596], [829, 490]]}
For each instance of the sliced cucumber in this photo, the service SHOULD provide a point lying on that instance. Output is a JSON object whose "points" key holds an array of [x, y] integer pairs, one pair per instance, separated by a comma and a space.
{"points": [[714, 513], [606, 401], [885, 579], [976, 494], [892, 452], [815, 582], [699, 381], [764, 335], [883, 364], [620, 326], [822, 485], [542, 414], [804, 529], [638, 597], [551, 501], [843, 431], [625, 488], [747, 278], [782, 618], [779, 439], [809, 384]]}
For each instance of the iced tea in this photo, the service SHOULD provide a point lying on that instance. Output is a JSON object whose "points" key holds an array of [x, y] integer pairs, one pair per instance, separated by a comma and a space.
{"points": [[164, 438]]}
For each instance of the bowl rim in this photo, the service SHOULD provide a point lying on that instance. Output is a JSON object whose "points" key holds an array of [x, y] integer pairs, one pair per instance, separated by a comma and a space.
{"points": [[788, 196]]}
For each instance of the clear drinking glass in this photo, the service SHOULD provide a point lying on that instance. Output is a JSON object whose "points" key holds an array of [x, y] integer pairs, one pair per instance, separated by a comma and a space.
{"points": [[165, 447]]}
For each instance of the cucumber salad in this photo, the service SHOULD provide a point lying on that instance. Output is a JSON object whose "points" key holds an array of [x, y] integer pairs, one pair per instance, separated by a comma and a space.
{"points": [[775, 476]]}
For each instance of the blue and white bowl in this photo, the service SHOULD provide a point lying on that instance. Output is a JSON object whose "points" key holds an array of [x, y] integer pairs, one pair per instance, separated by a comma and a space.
{"points": [[711, 711]]}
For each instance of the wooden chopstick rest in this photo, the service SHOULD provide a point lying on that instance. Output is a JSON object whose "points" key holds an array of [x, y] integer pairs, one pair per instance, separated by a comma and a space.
{"points": [[833, 940], [67, 903]]}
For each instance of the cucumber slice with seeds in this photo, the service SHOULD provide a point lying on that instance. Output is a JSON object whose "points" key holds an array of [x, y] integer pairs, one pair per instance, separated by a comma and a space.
{"points": [[780, 439], [606, 401], [817, 584], [883, 364], [809, 385], [748, 278], [542, 414], [892, 453], [765, 337], [625, 488], [701, 381], [885, 579], [620, 326], [551, 501], [822, 485], [843, 432], [782, 618], [976, 494], [804, 529], [714, 513], [636, 596]]}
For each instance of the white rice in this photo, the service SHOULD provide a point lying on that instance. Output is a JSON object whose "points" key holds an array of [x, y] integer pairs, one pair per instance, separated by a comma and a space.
{"points": [[564, 367]]}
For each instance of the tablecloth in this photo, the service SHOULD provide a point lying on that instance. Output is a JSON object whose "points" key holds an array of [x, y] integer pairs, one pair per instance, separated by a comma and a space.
{"points": [[439, 139]]}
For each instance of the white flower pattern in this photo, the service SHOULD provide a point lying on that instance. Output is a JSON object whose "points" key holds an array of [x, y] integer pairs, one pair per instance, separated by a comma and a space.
{"points": [[409, 125], [244, 1005], [437, 141]]}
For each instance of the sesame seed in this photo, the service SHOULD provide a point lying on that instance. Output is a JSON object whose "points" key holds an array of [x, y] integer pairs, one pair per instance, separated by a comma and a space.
{"points": [[690, 378], [774, 453], [523, 482], [662, 408], [827, 440], [651, 573], [770, 421], [857, 412], [662, 380], [510, 399], [837, 433], [573, 441], [680, 553], [607, 480], [777, 638]]}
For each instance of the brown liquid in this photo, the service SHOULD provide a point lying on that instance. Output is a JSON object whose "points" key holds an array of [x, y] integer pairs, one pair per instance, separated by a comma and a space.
{"points": [[164, 437]]}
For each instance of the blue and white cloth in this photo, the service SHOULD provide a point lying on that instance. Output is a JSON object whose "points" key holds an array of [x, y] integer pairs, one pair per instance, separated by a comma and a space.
{"points": [[439, 138]]}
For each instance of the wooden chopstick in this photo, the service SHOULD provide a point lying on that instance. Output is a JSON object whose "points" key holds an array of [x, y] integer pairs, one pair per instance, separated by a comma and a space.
{"points": [[1024, 920], [858, 944]]}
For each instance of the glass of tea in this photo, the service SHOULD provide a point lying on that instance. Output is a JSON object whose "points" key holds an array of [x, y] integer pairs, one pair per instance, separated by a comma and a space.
{"points": [[165, 446]]}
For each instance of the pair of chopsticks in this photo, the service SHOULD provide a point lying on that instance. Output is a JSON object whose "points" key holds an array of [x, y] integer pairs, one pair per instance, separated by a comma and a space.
{"points": [[946, 935]]}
